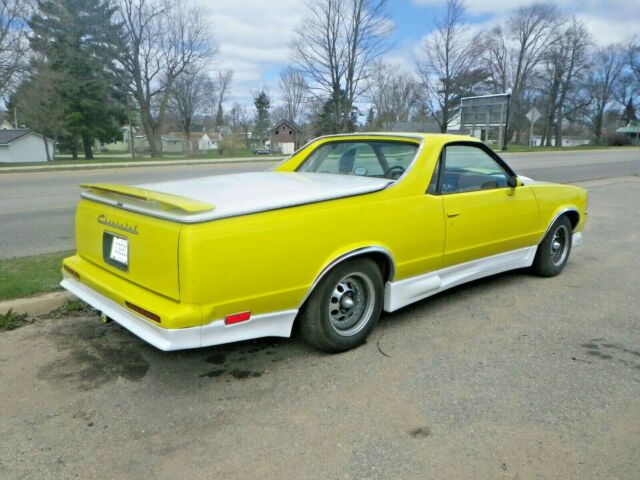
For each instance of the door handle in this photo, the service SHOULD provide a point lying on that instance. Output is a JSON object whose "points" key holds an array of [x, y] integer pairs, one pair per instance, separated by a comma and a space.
{"points": [[452, 214]]}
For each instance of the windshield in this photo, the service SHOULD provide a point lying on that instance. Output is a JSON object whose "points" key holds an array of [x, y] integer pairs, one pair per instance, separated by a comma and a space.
{"points": [[366, 158]]}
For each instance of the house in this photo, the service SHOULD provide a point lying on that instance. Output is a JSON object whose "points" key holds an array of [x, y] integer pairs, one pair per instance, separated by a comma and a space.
{"points": [[631, 131], [200, 141], [286, 137], [5, 125], [21, 145], [171, 144], [115, 145]]}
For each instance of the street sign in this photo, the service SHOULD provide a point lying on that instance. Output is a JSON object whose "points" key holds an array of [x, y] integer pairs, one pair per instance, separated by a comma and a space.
{"points": [[533, 115]]}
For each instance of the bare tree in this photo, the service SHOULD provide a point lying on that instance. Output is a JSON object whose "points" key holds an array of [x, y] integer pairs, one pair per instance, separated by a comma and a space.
{"points": [[187, 99], [393, 93], [607, 66], [564, 67], [294, 91], [515, 51], [13, 43], [220, 87], [335, 48], [450, 65], [241, 120], [162, 41]]}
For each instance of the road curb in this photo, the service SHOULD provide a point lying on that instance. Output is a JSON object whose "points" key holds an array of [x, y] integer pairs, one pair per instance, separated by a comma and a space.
{"points": [[149, 163], [36, 305]]}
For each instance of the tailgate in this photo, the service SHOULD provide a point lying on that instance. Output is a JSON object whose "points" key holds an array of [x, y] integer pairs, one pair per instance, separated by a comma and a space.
{"points": [[139, 248]]}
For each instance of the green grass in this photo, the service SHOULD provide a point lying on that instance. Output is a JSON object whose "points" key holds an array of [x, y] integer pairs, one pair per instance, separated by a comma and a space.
{"points": [[26, 276], [11, 320], [113, 157]]}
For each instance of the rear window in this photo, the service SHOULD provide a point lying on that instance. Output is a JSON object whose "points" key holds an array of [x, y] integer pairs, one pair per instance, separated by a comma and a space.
{"points": [[382, 159]]}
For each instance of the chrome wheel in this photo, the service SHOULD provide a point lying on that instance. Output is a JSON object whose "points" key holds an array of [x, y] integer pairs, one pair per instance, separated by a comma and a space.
{"points": [[560, 245], [351, 304]]}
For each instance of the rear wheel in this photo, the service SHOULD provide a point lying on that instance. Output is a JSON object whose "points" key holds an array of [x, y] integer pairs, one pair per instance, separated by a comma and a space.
{"points": [[344, 307], [553, 252]]}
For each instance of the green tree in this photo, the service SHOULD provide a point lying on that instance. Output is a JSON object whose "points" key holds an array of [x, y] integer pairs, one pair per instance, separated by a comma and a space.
{"points": [[77, 39], [39, 103], [262, 103]]}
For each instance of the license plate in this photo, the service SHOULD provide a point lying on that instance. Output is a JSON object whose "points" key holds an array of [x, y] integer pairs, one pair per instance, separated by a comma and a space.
{"points": [[120, 250]]}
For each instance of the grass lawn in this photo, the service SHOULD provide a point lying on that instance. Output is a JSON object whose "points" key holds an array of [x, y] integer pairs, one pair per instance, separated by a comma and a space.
{"points": [[22, 277], [113, 157]]}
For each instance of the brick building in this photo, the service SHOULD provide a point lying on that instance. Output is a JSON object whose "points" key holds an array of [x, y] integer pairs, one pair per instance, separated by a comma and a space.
{"points": [[286, 137]]}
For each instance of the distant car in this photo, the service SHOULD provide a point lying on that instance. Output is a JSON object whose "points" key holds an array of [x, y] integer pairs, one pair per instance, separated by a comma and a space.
{"points": [[261, 151], [348, 226]]}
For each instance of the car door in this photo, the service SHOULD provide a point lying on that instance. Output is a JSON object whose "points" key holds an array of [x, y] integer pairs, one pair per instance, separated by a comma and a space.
{"points": [[484, 216]]}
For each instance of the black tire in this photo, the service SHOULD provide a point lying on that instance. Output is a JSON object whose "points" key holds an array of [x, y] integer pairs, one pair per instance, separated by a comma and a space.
{"points": [[553, 252], [344, 307]]}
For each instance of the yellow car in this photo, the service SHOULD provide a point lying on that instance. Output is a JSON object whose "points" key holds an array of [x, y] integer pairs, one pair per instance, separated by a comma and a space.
{"points": [[347, 226]]}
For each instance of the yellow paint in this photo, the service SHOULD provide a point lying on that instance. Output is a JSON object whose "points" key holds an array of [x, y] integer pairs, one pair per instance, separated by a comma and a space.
{"points": [[166, 201], [192, 274]]}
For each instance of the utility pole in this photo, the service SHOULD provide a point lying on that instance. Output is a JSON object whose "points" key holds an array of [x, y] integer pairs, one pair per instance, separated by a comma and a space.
{"points": [[15, 117]]}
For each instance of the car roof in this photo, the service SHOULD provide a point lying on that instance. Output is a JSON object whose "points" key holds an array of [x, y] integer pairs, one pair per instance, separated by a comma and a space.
{"points": [[443, 137]]}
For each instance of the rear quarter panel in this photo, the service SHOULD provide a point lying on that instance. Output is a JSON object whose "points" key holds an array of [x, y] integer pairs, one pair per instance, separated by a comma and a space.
{"points": [[267, 261], [553, 199]]}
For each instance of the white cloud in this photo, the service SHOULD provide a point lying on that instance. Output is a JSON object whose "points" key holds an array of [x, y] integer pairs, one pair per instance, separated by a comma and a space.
{"points": [[253, 37]]}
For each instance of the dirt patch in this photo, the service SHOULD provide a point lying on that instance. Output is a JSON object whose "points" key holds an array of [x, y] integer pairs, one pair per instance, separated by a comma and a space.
{"points": [[94, 354]]}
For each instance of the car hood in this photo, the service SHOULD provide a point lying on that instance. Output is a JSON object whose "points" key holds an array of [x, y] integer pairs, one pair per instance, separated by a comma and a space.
{"points": [[245, 193]]}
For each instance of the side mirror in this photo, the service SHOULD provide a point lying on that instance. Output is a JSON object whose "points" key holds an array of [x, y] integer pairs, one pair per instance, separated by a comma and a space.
{"points": [[512, 182]]}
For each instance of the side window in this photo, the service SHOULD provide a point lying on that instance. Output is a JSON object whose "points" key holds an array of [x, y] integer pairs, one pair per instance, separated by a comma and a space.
{"points": [[469, 169], [435, 178]]}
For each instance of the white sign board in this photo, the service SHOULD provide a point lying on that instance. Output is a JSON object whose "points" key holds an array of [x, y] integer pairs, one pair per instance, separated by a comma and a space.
{"points": [[533, 115]]}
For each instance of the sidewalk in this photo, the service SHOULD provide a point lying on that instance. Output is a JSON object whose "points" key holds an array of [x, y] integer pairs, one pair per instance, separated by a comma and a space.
{"points": [[141, 163]]}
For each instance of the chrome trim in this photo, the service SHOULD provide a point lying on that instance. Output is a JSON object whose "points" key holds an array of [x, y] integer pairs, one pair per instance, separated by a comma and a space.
{"points": [[346, 256], [558, 215]]}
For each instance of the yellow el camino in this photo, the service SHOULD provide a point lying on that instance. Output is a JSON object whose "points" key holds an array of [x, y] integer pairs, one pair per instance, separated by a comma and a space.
{"points": [[346, 227]]}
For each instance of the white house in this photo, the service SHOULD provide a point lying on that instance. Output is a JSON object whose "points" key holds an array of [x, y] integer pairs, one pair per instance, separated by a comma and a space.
{"points": [[24, 146]]}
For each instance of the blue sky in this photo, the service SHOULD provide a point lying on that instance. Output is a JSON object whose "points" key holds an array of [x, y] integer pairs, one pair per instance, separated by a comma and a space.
{"points": [[254, 35]]}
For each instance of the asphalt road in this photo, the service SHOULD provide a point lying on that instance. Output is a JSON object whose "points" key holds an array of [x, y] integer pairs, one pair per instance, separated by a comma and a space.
{"points": [[36, 209], [510, 377]]}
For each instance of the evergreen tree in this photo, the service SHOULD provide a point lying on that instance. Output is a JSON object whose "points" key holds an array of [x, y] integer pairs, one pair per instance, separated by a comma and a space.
{"points": [[262, 103], [77, 39]]}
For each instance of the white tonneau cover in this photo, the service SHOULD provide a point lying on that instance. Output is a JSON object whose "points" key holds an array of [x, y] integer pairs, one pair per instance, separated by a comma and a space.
{"points": [[244, 193]]}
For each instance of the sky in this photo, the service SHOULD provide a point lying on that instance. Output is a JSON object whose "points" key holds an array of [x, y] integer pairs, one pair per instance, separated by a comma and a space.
{"points": [[254, 36]]}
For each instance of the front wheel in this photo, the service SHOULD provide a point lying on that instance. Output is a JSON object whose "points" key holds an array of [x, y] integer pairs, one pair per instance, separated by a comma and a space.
{"points": [[344, 307], [553, 252]]}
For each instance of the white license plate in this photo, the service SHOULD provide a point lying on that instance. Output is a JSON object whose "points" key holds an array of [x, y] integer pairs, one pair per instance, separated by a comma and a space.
{"points": [[120, 250]]}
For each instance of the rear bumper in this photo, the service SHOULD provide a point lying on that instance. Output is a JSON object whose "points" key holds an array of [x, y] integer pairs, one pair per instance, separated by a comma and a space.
{"points": [[162, 338], [107, 293]]}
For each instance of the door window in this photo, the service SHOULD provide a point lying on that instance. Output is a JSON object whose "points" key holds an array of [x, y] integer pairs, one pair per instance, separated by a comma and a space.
{"points": [[469, 169]]}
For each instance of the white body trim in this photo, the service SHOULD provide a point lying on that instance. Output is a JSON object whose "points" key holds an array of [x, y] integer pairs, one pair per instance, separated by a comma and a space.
{"points": [[277, 324], [404, 292], [576, 240]]}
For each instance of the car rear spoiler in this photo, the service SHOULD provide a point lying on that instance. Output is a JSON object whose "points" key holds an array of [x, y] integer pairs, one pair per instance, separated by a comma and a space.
{"points": [[164, 201]]}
